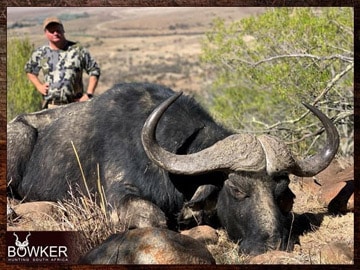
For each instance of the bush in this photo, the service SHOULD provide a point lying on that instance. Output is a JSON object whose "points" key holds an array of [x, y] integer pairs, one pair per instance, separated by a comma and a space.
{"points": [[265, 66], [21, 94]]}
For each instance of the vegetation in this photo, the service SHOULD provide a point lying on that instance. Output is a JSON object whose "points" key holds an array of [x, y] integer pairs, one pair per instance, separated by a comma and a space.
{"points": [[21, 94], [265, 66]]}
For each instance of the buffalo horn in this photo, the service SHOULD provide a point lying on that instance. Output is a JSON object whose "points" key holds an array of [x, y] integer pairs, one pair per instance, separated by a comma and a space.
{"points": [[239, 152], [315, 164], [280, 159]]}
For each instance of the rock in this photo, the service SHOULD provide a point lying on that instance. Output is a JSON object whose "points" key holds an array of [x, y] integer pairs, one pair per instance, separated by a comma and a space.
{"points": [[275, 257], [336, 195], [350, 204], [327, 176], [35, 210], [337, 253], [149, 246], [334, 187], [204, 233], [33, 216], [330, 175]]}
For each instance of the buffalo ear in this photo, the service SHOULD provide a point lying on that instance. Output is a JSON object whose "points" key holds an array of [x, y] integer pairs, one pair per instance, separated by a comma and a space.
{"points": [[204, 198], [235, 190], [201, 209]]}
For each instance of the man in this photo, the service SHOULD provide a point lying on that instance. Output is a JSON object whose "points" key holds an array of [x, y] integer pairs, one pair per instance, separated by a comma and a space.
{"points": [[62, 63]]}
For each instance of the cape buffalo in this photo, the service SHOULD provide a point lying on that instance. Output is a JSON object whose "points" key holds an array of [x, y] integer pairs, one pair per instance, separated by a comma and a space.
{"points": [[163, 162]]}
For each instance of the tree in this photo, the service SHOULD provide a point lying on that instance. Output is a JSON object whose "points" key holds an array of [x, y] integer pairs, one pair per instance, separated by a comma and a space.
{"points": [[264, 66], [21, 94]]}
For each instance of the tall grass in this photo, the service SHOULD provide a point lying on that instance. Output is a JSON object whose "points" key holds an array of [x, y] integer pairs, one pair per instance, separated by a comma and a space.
{"points": [[85, 214]]}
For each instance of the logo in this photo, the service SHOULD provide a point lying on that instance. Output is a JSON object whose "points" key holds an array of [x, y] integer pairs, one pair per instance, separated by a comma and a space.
{"points": [[23, 251], [21, 245]]}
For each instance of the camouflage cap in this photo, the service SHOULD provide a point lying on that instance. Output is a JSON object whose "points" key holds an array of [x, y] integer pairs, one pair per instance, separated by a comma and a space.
{"points": [[49, 20]]}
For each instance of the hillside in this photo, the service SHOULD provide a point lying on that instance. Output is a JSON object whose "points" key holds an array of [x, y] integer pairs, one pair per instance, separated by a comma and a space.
{"points": [[159, 45]]}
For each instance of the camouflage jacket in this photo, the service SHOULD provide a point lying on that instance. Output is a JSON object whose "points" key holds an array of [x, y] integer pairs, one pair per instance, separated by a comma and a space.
{"points": [[63, 69]]}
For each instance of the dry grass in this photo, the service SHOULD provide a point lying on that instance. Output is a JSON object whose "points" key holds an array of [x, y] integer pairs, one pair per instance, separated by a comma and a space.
{"points": [[84, 214], [77, 213], [226, 251], [335, 233]]}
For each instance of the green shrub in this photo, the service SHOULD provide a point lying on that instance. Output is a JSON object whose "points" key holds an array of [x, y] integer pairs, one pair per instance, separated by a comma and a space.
{"points": [[264, 67], [22, 96]]}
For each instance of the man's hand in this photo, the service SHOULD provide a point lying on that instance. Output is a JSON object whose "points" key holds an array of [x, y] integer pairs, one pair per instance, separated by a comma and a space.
{"points": [[84, 98], [43, 89]]}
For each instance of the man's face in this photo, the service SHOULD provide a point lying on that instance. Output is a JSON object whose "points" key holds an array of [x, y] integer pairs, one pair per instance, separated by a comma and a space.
{"points": [[54, 32]]}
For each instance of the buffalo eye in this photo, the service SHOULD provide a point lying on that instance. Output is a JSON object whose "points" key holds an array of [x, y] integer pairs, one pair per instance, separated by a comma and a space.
{"points": [[236, 191]]}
